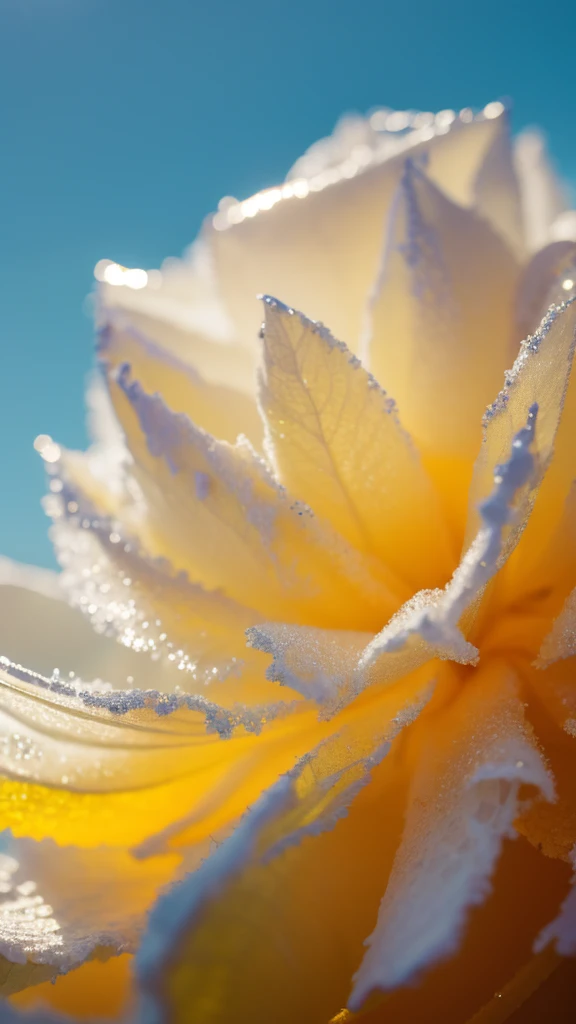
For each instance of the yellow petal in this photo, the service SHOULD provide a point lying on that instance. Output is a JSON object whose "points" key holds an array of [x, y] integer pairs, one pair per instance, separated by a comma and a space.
{"points": [[87, 766], [215, 511], [221, 409], [336, 441], [319, 247], [435, 343], [464, 797], [333, 668], [230, 942]]}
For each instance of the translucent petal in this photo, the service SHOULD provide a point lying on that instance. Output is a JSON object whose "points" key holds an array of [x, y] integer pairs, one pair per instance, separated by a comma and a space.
{"points": [[318, 246], [87, 765], [497, 190], [335, 439], [215, 511], [48, 633], [541, 285], [473, 761], [52, 927], [543, 198], [221, 409], [434, 342], [229, 943], [539, 376], [333, 668], [179, 308], [142, 602]]}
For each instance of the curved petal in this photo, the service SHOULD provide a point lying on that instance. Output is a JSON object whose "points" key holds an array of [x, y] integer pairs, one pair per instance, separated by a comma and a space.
{"points": [[335, 439], [47, 633], [435, 343], [180, 309], [333, 668], [497, 189], [48, 928], [543, 530], [191, 634], [215, 511], [542, 284], [90, 766], [539, 376], [317, 242], [543, 198], [228, 943], [221, 409], [464, 797]]}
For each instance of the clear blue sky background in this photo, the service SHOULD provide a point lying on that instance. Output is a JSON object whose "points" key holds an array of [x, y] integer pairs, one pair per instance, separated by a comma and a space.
{"points": [[124, 122]]}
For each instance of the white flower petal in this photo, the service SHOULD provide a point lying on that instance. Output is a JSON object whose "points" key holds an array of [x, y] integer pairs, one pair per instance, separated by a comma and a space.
{"points": [[48, 928], [47, 633], [220, 408], [463, 801], [497, 191], [543, 197], [319, 248], [542, 285]]}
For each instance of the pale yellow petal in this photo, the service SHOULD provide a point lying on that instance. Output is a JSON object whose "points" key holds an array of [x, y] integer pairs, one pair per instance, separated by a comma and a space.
{"points": [[221, 409], [87, 766], [544, 281], [336, 441], [215, 511], [539, 376], [317, 243], [333, 668], [497, 191], [543, 197], [435, 343]]}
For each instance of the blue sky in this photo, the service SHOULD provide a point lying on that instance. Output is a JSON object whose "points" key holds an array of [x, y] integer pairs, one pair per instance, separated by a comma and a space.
{"points": [[124, 122]]}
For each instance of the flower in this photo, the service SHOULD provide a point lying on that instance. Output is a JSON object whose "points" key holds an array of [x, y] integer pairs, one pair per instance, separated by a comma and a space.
{"points": [[344, 680]]}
